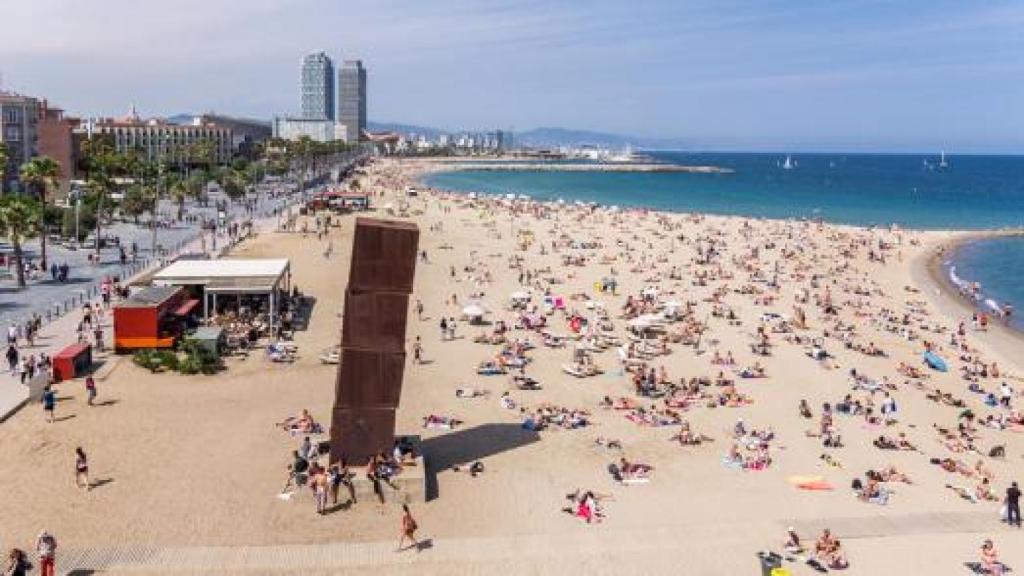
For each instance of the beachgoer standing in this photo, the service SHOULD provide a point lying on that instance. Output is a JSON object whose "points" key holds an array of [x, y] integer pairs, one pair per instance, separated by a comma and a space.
{"points": [[1013, 505], [417, 351], [90, 390], [49, 400], [17, 564], [46, 549], [409, 527], [320, 491], [82, 469]]}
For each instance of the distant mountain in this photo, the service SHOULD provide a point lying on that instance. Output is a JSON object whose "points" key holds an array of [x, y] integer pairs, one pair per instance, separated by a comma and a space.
{"points": [[427, 131], [181, 118], [554, 137], [548, 137]]}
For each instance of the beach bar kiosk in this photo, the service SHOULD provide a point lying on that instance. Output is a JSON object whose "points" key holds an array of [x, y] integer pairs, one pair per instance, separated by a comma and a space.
{"points": [[151, 318], [72, 361], [230, 279]]}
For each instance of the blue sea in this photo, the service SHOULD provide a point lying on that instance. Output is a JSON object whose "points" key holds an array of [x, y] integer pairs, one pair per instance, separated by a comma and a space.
{"points": [[913, 191]]}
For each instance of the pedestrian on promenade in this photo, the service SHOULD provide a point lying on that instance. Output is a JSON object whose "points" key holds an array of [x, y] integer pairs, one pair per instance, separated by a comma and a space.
{"points": [[1013, 505], [90, 390], [12, 357], [49, 400], [82, 469], [409, 527], [12, 335], [46, 549]]}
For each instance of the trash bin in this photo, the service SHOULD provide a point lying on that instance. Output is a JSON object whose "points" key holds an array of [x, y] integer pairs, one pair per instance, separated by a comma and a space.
{"points": [[769, 561]]}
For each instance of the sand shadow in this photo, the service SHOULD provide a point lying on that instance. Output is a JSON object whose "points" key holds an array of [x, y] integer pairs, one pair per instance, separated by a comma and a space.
{"points": [[64, 418], [303, 313], [101, 482], [338, 507], [111, 402], [426, 544], [469, 445]]}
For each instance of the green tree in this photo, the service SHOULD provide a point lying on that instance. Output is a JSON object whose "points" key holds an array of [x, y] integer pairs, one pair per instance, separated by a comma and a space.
{"points": [[20, 220], [4, 159], [136, 202], [41, 175]]}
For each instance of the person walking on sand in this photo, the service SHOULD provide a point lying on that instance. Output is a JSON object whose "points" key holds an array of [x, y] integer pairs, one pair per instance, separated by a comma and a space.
{"points": [[46, 549], [408, 530], [90, 390], [49, 400], [1013, 505], [82, 470], [417, 351]]}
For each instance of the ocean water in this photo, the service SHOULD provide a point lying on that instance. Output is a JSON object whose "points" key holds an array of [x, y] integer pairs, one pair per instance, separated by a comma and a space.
{"points": [[997, 264], [913, 191]]}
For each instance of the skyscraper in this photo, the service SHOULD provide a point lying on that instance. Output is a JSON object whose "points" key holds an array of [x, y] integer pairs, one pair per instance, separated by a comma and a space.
{"points": [[352, 99], [317, 87]]}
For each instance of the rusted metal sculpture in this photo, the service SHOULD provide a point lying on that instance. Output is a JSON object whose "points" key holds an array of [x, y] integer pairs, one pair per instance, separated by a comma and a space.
{"points": [[372, 359]]}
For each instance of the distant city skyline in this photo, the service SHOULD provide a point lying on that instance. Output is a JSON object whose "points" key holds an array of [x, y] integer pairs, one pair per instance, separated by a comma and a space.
{"points": [[866, 75]]}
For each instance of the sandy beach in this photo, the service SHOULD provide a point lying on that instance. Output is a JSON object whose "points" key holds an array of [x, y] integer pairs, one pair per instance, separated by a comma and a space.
{"points": [[189, 463]]}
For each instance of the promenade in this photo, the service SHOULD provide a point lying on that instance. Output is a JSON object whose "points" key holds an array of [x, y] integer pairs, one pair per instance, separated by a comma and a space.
{"points": [[60, 304]]}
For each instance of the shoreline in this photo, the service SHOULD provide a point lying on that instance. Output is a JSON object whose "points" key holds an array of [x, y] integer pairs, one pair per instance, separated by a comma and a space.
{"points": [[642, 167], [929, 272]]}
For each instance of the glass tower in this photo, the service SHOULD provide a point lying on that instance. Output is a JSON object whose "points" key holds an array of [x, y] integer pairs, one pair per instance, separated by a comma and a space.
{"points": [[352, 99], [318, 87]]}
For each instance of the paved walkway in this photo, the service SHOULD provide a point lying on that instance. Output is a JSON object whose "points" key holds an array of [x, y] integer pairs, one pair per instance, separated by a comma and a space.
{"points": [[571, 548]]}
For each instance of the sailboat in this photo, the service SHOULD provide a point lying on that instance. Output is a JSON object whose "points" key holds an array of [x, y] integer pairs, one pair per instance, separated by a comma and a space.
{"points": [[788, 164], [942, 160]]}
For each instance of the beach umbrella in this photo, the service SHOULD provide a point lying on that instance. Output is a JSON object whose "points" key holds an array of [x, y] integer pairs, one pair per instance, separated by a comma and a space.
{"points": [[520, 295], [673, 304], [474, 311]]}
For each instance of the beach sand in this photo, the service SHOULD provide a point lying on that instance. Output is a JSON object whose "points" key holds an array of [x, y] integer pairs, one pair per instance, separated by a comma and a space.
{"points": [[191, 462]]}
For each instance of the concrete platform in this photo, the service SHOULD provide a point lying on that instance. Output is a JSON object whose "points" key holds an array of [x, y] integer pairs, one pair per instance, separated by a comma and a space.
{"points": [[408, 487]]}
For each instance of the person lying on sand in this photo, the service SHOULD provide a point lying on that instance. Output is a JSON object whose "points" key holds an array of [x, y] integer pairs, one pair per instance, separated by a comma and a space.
{"points": [[443, 422], [301, 424]]}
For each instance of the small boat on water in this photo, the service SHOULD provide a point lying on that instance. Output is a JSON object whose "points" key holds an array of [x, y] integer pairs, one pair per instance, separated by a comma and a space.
{"points": [[789, 164], [942, 160]]}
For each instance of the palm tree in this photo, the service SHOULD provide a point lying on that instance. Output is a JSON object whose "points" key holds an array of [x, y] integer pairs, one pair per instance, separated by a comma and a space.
{"points": [[42, 174], [20, 220], [179, 191], [4, 158]]}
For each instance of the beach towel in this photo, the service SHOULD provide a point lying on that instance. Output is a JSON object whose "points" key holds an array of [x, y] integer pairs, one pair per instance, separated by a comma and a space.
{"points": [[816, 486]]}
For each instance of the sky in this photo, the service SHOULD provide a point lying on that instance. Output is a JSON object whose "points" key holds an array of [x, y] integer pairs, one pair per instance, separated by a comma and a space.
{"points": [[865, 75]]}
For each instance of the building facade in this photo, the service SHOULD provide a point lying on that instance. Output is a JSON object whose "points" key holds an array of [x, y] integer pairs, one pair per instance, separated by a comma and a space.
{"points": [[245, 132], [352, 99], [295, 128], [19, 121], [317, 85], [60, 138], [160, 140]]}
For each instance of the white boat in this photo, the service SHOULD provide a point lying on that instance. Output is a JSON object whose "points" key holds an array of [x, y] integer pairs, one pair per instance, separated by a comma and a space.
{"points": [[788, 164], [942, 160]]}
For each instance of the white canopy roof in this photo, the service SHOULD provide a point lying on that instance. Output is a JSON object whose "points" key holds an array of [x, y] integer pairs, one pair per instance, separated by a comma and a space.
{"points": [[240, 275]]}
